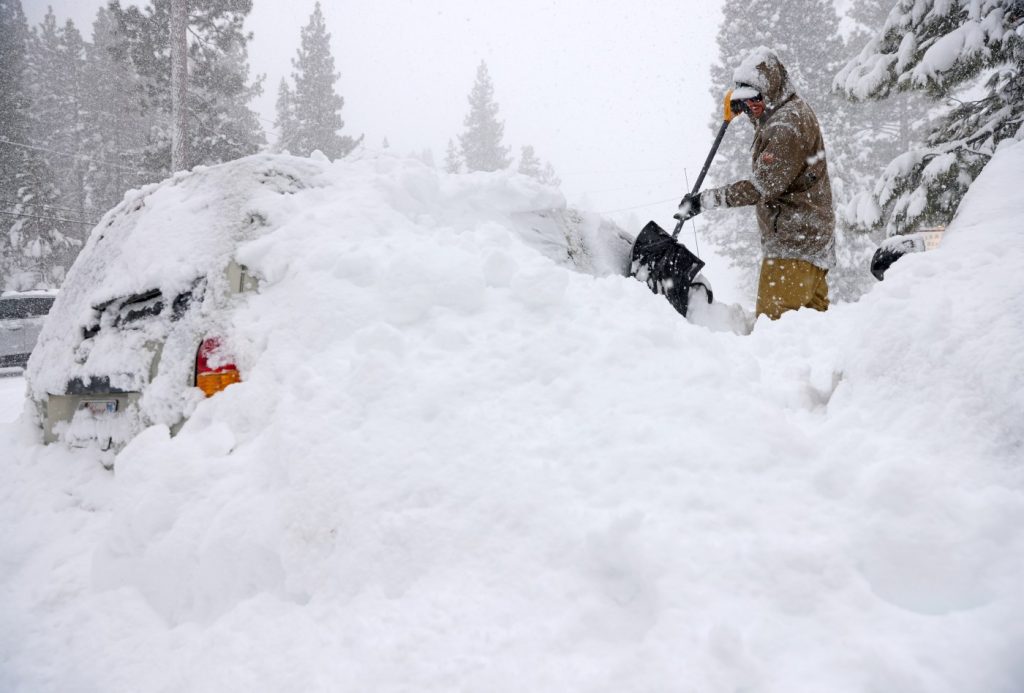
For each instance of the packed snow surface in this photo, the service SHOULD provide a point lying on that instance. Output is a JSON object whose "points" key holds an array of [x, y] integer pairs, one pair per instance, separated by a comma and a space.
{"points": [[457, 464]]}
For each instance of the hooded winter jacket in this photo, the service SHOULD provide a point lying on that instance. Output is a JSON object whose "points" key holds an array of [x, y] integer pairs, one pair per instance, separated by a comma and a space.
{"points": [[790, 184]]}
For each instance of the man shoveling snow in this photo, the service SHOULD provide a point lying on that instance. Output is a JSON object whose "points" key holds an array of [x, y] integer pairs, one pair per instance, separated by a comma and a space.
{"points": [[790, 187]]}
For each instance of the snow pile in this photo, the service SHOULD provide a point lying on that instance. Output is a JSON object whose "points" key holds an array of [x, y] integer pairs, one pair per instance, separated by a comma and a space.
{"points": [[455, 464], [173, 241]]}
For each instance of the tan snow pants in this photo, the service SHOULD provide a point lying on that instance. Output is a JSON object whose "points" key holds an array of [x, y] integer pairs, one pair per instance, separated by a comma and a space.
{"points": [[789, 285]]}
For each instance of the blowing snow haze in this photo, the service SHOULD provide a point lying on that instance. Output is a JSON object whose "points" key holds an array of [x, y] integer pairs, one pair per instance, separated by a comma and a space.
{"points": [[367, 415], [617, 103]]}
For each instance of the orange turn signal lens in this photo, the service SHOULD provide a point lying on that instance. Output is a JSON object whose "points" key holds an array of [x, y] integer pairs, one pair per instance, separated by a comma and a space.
{"points": [[212, 383]]}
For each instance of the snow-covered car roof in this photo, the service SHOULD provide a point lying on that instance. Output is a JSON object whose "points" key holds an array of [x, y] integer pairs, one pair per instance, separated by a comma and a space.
{"points": [[163, 236]]}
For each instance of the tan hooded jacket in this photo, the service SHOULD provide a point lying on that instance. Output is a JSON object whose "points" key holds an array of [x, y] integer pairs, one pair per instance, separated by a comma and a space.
{"points": [[790, 184]]}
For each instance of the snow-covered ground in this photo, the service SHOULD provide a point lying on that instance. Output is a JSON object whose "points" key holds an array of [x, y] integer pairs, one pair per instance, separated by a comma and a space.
{"points": [[455, 464], [12, 394]]}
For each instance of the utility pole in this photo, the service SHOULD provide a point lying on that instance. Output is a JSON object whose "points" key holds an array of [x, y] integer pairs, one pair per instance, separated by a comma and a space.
{"points": [[179, 84]]}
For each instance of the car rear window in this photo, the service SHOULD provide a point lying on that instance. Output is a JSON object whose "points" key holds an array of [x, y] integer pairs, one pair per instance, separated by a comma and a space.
{"points": [[125, 312], [27, 307], [138, 307]]}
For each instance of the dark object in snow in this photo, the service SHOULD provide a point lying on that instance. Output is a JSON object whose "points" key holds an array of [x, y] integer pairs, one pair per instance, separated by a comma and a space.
{"points": [[667, 266], [892, 249]]}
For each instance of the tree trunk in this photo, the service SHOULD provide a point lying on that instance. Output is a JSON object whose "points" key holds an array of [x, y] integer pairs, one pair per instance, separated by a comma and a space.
{"points": [[179, 84]]}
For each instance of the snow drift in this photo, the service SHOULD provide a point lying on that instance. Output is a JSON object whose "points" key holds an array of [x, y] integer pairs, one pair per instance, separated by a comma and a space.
{"points": [[153, 282], [455, 464]]}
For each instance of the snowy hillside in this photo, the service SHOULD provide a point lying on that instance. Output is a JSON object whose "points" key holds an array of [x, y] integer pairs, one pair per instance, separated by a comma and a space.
{"points": [[457, 464]]}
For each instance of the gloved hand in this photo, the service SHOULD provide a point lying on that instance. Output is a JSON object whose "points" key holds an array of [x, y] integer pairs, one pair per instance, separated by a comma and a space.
{"points": [[689, 207]]}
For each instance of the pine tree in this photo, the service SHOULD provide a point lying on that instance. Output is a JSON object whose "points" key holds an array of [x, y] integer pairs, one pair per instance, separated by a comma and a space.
{"points": [[285, 122], [317, 105], [57, 68], [33, 236], [14, 100], [480, 142], [943, 49], [452, 159], [531, 165], [116, 127], [549, 177], [881, 127], [221, 124]]}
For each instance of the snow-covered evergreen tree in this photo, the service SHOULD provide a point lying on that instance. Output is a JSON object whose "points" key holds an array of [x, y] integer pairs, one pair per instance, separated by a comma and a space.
{"points": [[881, 127], [531, 165], [287, 126], [33, 235], [57, 68], [968, 51], [480, 142], [548, 175], [221, 124], [116, 128], [14, 101], [452, 158], [529, 162], [317, 105]]}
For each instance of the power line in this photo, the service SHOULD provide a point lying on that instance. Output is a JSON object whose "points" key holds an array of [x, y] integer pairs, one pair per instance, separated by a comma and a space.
{"points": [[619, 170], [658, 184], [73, 156], [40, 204], [34, 216], [626, 209]]}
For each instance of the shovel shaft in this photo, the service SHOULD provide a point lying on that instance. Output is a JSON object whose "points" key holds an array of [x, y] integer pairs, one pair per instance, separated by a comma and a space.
{"points": [[704, 170], [711, 156]]}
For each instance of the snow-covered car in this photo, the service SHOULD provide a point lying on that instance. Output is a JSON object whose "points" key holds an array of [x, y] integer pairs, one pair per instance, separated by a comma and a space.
{"points": [[21, 319], [144, 326], [140, 332]]}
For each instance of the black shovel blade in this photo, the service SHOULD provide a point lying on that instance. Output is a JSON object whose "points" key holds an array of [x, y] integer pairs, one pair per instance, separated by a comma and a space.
{"points": [[665, 265]]}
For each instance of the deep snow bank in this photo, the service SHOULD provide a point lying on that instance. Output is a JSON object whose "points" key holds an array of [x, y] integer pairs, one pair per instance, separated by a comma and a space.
{"points": [[174, 240], [457, 465]]}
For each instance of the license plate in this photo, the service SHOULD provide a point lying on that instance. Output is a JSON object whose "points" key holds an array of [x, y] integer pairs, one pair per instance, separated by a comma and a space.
{"points": [[97, 407]]}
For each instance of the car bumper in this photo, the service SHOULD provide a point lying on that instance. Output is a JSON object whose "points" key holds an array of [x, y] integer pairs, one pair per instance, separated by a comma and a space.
{"points": [[97, 419]]}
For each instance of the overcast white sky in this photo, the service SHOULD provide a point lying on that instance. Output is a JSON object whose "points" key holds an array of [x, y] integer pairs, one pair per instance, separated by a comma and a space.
{"points": [[614, 94]]}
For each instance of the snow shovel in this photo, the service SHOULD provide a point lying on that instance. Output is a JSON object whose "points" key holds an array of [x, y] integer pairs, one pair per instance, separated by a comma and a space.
{"points": [[664, 263]]}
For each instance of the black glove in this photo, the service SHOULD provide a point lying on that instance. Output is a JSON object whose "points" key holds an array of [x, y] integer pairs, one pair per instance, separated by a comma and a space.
{"points": [[689, 207]]}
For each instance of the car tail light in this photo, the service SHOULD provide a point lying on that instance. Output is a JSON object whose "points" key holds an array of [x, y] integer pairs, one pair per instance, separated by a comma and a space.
{"points": [[212, 379]]}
